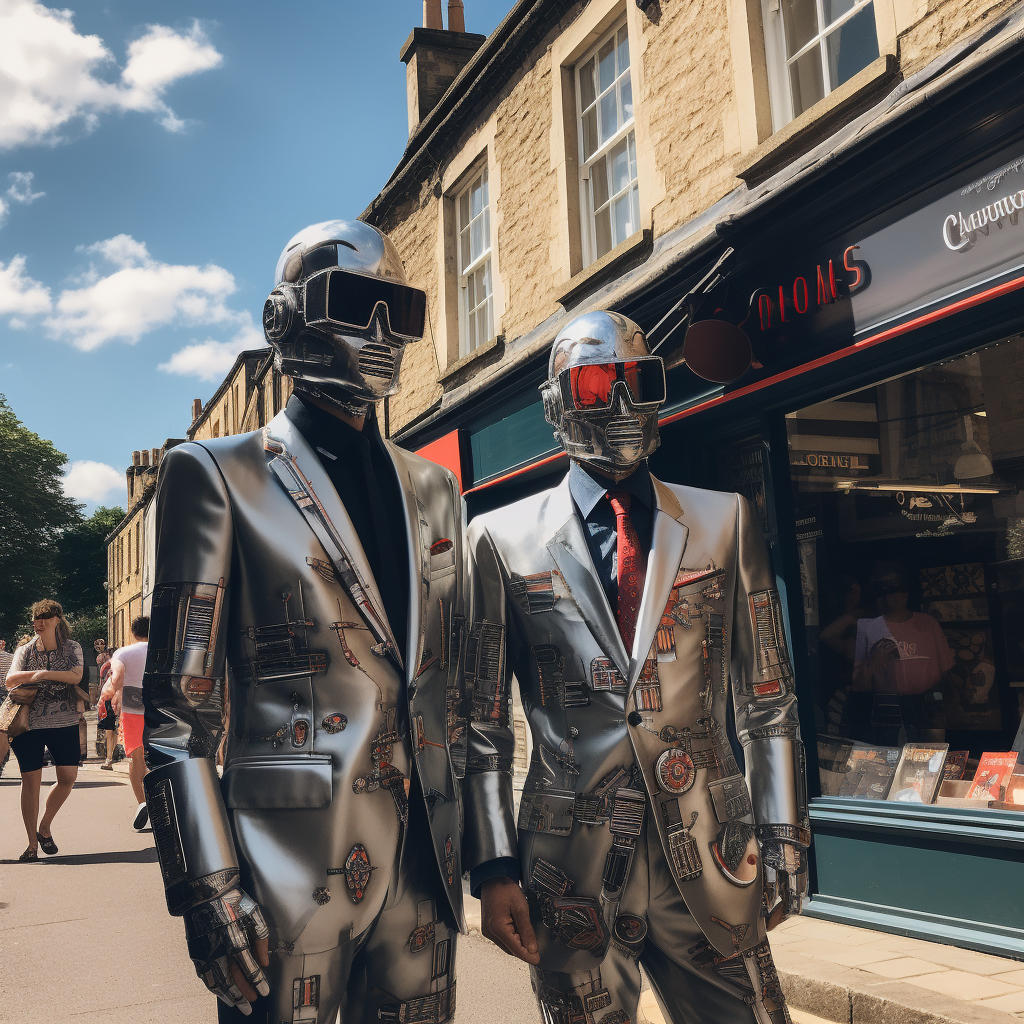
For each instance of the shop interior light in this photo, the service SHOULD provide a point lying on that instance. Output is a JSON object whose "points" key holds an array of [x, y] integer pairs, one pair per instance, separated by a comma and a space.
{"points": [[910, 488]]}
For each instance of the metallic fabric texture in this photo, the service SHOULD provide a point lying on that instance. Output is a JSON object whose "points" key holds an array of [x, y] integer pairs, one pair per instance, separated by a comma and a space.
{"points": [[269, 642], [628, 740]]}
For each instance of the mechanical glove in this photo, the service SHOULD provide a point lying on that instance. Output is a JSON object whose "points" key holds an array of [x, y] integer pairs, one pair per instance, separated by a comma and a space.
{"points": [[219, 931]]}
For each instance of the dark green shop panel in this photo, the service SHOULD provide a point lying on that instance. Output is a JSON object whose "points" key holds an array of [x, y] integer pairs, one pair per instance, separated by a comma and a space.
{"points": [[947, 874], [515, 436]]}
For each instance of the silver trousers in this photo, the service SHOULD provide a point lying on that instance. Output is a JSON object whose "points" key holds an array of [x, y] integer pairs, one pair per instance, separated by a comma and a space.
{"points": [[401, 968], [692, 982]]}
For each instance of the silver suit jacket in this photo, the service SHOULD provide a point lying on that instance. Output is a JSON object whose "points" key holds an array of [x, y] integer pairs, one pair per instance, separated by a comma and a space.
{"points": [[266, 614], [604, 719]]}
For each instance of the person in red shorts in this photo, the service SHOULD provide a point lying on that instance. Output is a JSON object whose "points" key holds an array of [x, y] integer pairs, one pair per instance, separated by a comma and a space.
{"points": [[124, 690]]}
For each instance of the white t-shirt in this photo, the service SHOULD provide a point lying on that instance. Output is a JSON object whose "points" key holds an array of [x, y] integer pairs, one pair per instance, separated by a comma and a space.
{"points": [[133, 658]]}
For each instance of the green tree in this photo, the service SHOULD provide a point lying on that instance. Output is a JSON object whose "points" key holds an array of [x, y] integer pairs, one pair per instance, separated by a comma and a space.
{"points": [[34, 512], [82, 560]]}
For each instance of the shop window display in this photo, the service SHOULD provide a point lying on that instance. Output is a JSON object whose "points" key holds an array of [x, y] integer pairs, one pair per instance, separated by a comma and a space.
{"points": [[909, 500]]}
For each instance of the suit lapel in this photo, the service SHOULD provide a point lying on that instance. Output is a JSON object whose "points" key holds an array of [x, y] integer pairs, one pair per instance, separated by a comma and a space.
{"points": [[417, 533], [299, 471], [568, 548], [667, 545]]}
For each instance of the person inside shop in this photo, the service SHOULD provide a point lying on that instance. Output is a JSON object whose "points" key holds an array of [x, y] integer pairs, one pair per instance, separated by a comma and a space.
{"points": [[902, 657]]}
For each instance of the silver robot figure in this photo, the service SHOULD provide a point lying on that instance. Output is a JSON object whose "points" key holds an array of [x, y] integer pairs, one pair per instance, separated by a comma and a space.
{"points": [[639, 840], [331, 845]]}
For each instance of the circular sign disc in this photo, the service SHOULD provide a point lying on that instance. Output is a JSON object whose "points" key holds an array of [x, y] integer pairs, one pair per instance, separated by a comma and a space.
{"points": [[717, 350], [675, 771]]}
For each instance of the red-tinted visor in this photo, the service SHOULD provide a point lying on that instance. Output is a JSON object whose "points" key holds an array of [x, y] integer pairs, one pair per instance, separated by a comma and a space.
{"points": [[590, 386], [341, 298]]}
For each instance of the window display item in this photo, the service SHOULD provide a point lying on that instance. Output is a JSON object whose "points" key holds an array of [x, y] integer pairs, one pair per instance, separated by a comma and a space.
{"points": [[955, 766], [1014, 793], [992, 776], [918, 774], [869, 772]]}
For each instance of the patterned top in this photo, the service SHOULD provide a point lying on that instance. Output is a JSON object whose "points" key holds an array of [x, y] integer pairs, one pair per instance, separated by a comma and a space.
{"points": [[54, 707]]}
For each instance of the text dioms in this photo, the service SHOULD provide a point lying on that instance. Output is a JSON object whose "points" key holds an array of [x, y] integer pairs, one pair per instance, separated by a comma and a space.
{"points": [[775, 308]]}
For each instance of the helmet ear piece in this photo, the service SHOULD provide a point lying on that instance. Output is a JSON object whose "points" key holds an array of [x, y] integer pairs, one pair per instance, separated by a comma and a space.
{"points": [[552, 403], [281, 315]]}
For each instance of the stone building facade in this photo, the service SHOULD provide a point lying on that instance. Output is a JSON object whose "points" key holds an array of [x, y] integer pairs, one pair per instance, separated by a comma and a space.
{"points": [[718, 106]]}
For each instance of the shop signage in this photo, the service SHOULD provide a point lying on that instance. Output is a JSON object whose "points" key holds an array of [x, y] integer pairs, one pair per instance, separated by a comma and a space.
{"points": [[957, 239], [829, 460]]}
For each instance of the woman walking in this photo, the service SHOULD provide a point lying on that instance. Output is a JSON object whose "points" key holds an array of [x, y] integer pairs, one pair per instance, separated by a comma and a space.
{"points": [[50, 668]]}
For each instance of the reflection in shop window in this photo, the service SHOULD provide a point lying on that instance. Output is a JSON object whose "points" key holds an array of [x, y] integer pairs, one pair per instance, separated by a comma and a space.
{"points": [[910, 529]]}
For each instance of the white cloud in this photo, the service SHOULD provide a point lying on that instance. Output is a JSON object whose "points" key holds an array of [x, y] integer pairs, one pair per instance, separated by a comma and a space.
{"points": [[92, 481], [141, 295], [20, 295], [209, 360], [48, 72], [21, 187], [3, 211]]}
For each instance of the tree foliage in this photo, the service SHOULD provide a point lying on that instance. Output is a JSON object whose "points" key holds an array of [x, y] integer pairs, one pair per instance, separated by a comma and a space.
{"points": [[34, 512], [81, 565]]}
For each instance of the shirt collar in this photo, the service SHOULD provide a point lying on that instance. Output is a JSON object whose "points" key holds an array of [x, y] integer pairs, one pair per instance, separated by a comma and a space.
{"points": [[587, 488]]}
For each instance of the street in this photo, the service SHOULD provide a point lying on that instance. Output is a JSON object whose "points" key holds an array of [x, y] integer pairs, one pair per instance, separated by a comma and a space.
{"points": [[86, 937]]}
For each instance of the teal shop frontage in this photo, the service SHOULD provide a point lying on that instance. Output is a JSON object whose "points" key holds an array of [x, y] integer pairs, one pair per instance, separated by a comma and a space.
{"points": [[880, 432]]}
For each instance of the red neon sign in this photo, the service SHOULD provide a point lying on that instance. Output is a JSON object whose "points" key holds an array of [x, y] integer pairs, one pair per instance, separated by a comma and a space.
{"points": [[797, 300]]}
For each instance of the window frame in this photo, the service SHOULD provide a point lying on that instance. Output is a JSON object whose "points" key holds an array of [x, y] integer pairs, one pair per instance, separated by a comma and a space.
{"points": [[780, 89], [477, 174], [588, 227]]}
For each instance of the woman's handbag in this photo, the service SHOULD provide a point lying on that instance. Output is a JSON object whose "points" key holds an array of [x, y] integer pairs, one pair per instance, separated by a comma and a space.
{"points": [[14, 717]]}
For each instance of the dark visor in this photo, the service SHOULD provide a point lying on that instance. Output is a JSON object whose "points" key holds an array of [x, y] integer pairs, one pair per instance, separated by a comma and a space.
{"points": [[591, 386], [344, 299]]}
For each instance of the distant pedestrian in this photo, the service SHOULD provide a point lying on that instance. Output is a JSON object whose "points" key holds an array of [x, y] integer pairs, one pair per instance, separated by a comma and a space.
{"points": [[5, 663], [124, 688], [106, 719], [45, 673]]}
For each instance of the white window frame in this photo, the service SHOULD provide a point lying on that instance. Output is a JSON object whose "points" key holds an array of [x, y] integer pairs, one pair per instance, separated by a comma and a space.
{"points": [[467, 344], [588, 222], [780, 90]]}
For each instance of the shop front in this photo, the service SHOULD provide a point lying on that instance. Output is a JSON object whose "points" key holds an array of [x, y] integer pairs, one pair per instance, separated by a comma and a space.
{"points": [[880, 432]]}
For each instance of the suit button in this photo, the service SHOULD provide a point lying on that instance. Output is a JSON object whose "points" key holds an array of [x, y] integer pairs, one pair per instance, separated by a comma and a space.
{"points": [[634, 718]]}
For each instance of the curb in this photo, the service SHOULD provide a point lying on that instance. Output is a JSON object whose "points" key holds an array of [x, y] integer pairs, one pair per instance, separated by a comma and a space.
{"points": [[843, 995]]}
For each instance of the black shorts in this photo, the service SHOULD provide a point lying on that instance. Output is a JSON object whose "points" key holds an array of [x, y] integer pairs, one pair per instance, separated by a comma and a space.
{"points": [[110, 722], [62, 742]]}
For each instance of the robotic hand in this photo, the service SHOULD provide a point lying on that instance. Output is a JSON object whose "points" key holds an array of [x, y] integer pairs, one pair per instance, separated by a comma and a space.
{"points": [[222, 932], [785, 878]]}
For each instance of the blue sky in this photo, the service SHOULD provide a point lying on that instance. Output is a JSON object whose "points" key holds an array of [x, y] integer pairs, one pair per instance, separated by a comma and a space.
{"points": [[154, 159]]}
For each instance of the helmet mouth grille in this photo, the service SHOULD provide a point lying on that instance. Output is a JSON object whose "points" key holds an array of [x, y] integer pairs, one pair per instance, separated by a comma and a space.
{"points": [[377, 360], [624, 432]]}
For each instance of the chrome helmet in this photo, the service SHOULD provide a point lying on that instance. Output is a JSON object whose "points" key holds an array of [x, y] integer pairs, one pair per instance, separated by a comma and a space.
{"points": [[341, 313], [603, 391]]}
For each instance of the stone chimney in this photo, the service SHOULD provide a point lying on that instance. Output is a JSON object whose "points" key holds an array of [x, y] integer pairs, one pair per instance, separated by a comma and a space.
{"points": [[144, 457], [434, 57], [156, 456], [197, 408], [136, 458]]}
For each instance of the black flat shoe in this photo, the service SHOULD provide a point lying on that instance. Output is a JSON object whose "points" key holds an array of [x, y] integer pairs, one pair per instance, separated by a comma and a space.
{"points": [[28, 855], [47, 843]]}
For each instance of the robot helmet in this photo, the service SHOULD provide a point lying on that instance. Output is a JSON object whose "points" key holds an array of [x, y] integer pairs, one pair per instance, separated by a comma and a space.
{"points": [[341, 313], [603, 391]]}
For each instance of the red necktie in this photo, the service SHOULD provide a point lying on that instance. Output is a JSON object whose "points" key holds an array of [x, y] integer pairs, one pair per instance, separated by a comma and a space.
{"points": [[631, 567]]}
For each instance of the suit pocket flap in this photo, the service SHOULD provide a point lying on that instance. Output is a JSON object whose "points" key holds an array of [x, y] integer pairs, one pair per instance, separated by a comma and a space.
{"points": [[300, 782]]}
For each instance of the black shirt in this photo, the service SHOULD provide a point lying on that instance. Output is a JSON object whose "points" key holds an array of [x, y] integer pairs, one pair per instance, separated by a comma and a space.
{"points": [[588, 490], [358, 463]]}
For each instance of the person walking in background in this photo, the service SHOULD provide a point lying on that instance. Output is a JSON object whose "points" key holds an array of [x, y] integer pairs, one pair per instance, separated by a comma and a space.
{"points": [[123, 689], [5, 663], [106, 719], [45, 672]]}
